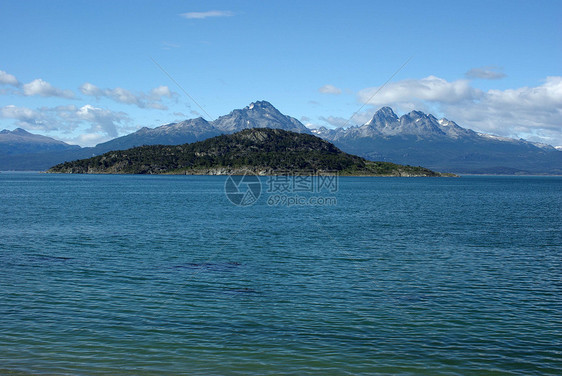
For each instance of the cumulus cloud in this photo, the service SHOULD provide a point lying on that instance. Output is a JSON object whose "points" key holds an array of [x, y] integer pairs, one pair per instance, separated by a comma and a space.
{"points": [[207, 14], [101, 120], [141, 100], [487, 73], [160, 91], [534, 113], [8, 79], [38, 87], [15, 112], [67, 118], [26, 117], [431, 89], [329, 89], [92, 90], [45, 89]]}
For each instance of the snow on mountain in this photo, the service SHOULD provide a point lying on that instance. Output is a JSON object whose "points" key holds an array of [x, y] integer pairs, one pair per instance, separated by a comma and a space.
{"points": [[260, 114]]}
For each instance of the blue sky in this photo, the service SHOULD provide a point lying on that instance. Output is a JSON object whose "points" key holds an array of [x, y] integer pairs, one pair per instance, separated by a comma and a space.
{"points": [[83, 71]]}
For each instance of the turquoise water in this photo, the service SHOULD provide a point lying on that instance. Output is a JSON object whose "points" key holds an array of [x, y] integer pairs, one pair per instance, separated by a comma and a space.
{"points": [[162, 275]]}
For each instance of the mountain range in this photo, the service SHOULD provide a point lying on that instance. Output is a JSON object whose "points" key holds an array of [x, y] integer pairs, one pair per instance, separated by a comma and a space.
{"points": [[441, 144], [415, 138]]}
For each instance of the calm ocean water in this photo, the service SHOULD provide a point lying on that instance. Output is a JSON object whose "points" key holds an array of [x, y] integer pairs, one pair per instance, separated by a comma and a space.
{"points": [[162, 275]]}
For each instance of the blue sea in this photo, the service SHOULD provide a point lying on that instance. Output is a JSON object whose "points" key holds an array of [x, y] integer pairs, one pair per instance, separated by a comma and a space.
{"points": [[164, 275]]}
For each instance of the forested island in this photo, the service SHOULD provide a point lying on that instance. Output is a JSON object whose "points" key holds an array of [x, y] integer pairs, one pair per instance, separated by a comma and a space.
{"points": [[262, 151]]}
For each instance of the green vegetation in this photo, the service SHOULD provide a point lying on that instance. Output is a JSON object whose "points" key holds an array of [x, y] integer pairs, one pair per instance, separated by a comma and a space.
{"points": [[260, 150]]}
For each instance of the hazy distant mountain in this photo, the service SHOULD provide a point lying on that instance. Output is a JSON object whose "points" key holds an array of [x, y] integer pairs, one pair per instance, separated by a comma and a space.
{"points": [[21, 150], [419, 139], [19, 141], [187, 131]]}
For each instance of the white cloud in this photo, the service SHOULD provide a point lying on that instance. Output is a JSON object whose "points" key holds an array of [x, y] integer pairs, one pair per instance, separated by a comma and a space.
{"points": [[487, 73], [92, 90], [45, 89], [207, 14], [8, 79], [14, 112], [101, 120], [161, 91], [38, 87], [125, 96], [27, 118], [534, 113], [141, 100], [67, 118], [430, 89], [329, 89]]}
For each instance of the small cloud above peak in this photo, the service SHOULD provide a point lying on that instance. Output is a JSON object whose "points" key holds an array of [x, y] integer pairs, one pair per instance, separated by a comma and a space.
{"points": [[330, 89], [486, 73], [207, 14]]}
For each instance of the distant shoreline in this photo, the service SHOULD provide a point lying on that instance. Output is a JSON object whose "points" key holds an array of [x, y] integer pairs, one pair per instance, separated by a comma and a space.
{"points": [[259, 173], [342, 175]]}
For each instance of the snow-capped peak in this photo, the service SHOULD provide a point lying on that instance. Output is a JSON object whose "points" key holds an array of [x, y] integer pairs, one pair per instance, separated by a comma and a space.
{"points": [[494, 137]]}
